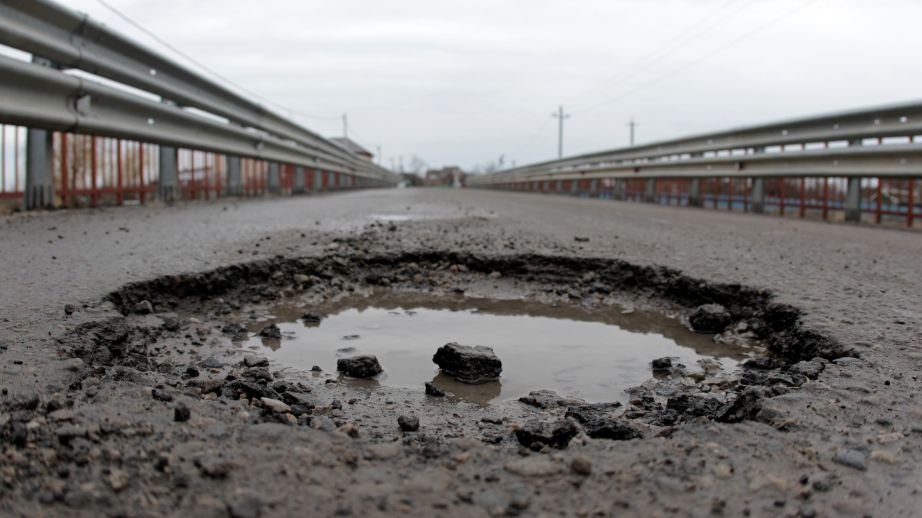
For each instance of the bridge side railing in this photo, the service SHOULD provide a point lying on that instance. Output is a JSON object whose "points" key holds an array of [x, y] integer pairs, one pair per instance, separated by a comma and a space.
{"points": [[855, 166], [153, 116]]}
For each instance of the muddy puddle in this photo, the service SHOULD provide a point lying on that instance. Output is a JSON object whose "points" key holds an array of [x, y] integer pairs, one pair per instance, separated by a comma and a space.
{"points": [[593, 354]]}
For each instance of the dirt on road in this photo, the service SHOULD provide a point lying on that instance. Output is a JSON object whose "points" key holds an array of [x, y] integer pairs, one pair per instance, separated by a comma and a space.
{"points": [[123, 395]]}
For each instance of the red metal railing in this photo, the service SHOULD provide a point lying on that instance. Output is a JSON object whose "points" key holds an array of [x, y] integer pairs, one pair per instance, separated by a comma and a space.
{"points": [[93, 171], [893, 201]]}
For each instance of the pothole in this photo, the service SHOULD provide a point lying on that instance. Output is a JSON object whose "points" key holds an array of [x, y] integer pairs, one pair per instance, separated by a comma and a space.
{"points": [[589, 353], [558, 324]]}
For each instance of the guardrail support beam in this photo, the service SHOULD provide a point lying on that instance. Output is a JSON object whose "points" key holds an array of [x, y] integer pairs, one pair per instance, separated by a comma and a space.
{"points": [[694, 193], [299, 181], [233, 185], [853, 200], [169, 165], [649, 190], [39, 174], [318, 180], [757, 196], [619, 193], [274, 180]]}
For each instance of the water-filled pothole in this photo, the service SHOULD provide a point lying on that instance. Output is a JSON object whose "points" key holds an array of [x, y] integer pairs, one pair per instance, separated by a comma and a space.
{"points": [[588, 353]]}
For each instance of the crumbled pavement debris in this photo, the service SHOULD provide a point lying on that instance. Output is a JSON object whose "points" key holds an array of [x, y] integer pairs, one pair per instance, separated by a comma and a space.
{"points": [[710, 318], [364, 366], [432, 390], [468, 364], [408, 423]]}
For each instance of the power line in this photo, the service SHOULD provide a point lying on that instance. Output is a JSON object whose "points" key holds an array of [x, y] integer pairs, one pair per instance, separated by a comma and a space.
{"points": [[709, 55], [690, 34], [204, 67]]}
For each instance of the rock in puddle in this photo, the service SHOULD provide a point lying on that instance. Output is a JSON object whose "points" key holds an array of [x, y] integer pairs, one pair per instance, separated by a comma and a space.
{"points": [[468, 364], [661, 365], [432, 390], [271, 332], [253, 360], [710, 318], [365, 366]]}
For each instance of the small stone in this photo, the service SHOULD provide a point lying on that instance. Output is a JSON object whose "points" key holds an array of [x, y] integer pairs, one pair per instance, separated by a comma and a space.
{"points": [[852, 458], [252, 360], [161, 395], [884, 456], [408, 423], [543, 399], [468, 364], [364, 367], [118, 480], [311, 318], [271, 332], [234, 329], [581, 239], [244, 506], [350, 430], [432, 390], [143, 308], [661, 365], [69, 309], [275, 405], [710, 318], [212, 363], [888, 438], [300, 278], [73, 364], [581, 465], [316, 368], [744, 407], [181, 413], [555, 434], [533, 466]]}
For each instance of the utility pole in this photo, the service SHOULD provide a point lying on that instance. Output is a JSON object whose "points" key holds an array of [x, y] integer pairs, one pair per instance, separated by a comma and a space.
{"points": [[632, 125], [560, 116], [345, 126], [380, 157]]}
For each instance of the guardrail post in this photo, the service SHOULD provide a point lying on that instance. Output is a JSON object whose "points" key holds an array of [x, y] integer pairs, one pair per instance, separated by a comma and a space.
{"points": [[39, 192], [169, 164], [274, 181], [618, 189], [757, 196], [39, 175], [318, 180], [694, 193], [299, 181], [233, 186], [593, 187], [649, 190], [853, 200]]}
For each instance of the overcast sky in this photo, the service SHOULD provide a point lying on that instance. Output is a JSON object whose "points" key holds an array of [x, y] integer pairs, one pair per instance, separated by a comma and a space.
{"points": [[465, 81]]}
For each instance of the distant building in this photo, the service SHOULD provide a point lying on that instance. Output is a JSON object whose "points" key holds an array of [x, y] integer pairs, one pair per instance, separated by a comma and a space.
{"points": [[353, 147], [450, 176]]}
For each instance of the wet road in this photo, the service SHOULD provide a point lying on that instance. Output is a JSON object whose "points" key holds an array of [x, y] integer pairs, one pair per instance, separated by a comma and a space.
{"points": [[861, 285]]}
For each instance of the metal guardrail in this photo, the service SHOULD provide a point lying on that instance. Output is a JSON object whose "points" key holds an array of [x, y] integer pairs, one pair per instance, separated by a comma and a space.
{"points": [[40, 95], [871, 150]]}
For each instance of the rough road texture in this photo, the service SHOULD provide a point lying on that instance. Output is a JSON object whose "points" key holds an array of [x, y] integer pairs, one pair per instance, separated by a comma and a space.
{"points": [[848, 443]]}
